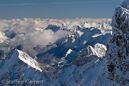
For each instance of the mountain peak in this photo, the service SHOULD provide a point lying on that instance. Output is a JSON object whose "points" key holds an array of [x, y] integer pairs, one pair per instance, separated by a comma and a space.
{"points": [[17, 56], [118, 54], [125, 4]]}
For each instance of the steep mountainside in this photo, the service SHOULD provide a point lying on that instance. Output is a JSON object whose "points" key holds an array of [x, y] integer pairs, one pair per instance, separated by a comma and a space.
{"points": [[69, 52], [57, 52], [118, 53], [21, 67]]}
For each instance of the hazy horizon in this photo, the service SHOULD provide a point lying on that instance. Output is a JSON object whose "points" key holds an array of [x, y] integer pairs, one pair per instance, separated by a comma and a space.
{"points": [[68, 9]]}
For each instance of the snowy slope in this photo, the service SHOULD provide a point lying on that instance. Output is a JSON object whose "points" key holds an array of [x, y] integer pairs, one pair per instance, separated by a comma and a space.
{"points": [[88, 54], [28, 60], [86, 67], [21, 67], [59, 52], [19, 56], [66, 52]]}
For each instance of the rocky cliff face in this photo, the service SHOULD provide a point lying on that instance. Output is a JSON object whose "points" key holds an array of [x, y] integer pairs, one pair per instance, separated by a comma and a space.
{"points": [[118, 47]]}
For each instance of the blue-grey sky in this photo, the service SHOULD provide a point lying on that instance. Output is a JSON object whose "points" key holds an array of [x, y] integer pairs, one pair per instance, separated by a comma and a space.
{"points": [[60, 9]]}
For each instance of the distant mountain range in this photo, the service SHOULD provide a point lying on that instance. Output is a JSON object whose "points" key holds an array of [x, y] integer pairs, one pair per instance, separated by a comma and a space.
{"points": [[67, 52], [45, 47]]}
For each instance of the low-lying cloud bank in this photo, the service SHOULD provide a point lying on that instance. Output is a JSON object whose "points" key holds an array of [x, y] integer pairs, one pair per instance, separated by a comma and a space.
{"points": [[34, 32], [44, 38]]}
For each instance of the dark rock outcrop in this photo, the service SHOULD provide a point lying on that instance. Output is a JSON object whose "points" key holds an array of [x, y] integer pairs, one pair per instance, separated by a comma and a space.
{"points": [[118, 46]]}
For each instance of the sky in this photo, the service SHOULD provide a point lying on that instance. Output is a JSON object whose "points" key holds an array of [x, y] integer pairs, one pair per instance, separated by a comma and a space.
{"points": [[57, 9]]}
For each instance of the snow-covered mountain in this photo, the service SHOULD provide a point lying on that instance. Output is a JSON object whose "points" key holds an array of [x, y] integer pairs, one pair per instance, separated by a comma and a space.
{"points": [[89, 53], [49, 40], [43, 49], [65, 52], [19, 69]]}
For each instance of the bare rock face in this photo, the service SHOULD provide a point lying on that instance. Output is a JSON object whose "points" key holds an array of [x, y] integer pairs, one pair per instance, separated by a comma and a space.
{"points": [[118, 47]]}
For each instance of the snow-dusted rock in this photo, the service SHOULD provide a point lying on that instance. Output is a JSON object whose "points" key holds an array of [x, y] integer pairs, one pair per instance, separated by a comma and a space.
{"points": [[28, 60], [88, 54], [100, 49], [20, 56], [20, 69], [117, 51], [56, 56]]}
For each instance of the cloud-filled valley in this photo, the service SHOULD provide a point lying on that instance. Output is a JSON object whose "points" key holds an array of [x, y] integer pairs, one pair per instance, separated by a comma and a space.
{"points": [[44, 38]]}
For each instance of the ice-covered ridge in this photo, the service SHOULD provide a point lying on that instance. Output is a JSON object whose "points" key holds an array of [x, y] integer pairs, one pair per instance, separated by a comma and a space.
{"points": [[28, 60], [100, 49], [89, 53], [68, 52], [13, 62]]}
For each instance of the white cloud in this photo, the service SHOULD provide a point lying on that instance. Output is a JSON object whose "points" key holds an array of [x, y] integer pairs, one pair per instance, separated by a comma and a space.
{"points": [[44, 38], [25, 31], [20, 4]]}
